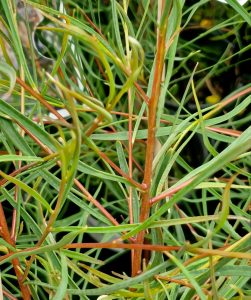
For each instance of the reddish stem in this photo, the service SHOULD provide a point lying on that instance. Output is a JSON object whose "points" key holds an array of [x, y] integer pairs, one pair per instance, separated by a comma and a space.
{"points": [[41, 100], [122, 246], [171, 191], [4, 232], [9, 296], [152, 111]]}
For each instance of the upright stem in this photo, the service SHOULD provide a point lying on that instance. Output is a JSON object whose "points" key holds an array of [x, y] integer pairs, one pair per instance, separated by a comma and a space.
{"points": [[152, 111], [4, 232]]}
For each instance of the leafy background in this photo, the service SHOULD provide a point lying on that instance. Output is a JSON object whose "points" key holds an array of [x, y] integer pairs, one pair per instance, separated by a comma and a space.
{"points": [[78, 82]]}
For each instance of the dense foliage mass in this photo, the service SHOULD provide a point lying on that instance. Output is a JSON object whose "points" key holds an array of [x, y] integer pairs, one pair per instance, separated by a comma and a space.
{"points": [[125, 149]]}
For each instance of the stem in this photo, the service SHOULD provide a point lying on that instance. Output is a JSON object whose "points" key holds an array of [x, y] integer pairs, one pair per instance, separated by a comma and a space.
{"points": [[152, 112], [41, 100], [111, 245], [4, 232]]}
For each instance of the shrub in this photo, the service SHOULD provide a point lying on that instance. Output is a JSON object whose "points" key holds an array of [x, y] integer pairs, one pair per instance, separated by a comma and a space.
{"points": [[124, 139]]}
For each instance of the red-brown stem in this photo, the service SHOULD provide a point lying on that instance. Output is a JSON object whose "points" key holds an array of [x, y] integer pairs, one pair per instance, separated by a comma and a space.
{"points": [[92, 24], [100, 67], [18, 171], [4, 232], [127, 150], [152, 110], [94, 126], [41, 100], [95, 202], [200, 252], [226, 131], [141, 93], [123, 174], [110, 245], [234, 97], [183, 216], [170, 191], [107, 159], [180, 282], [9, 296]]}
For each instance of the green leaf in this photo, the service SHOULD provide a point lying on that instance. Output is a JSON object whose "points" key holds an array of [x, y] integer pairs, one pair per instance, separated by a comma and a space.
{"points": [[121, 156], [240, 10], [28, 190], [26, 123], [13, 157], [62, 287], [86, 169], [81, 257], [11, 74], [14, 136], [188, 275], [127, 283], [10, 13]]}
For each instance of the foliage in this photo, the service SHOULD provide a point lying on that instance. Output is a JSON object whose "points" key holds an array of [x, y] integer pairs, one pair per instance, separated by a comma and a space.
{"points": [[124, 142]]}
